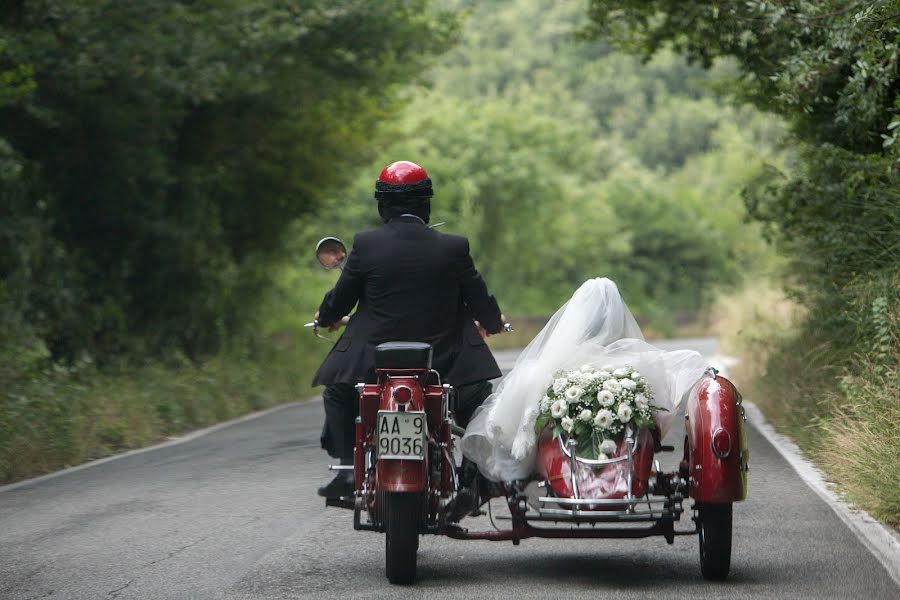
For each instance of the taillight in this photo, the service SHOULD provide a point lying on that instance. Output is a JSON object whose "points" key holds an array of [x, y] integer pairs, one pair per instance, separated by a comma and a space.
{"points": [[721, 443], [402, 394]]}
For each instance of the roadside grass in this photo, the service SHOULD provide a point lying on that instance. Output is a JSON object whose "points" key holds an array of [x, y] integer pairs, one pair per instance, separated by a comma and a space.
{"points": [[63, 416], [842, 407]]}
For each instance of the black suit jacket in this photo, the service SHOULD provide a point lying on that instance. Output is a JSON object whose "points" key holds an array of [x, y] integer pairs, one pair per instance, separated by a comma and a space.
{"points": [[412, 284]]}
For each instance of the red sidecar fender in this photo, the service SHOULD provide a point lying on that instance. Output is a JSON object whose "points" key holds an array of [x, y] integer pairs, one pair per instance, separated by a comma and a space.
{"points": [[717, 444]]}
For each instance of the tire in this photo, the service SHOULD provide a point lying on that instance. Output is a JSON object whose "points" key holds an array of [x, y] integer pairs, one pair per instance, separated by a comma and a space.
{"points": [[402, 513], [714, 527]]}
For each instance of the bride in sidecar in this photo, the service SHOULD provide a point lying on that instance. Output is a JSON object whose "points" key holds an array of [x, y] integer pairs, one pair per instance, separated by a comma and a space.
{"points": [[591, 336]]}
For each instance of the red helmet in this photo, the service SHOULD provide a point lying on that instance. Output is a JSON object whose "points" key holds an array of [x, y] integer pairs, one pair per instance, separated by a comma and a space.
{"points": [[402, 171], [403, 181]]}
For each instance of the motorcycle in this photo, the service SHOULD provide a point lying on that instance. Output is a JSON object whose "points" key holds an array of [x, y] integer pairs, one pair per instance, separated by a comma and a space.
{"points": [[406, 483]]}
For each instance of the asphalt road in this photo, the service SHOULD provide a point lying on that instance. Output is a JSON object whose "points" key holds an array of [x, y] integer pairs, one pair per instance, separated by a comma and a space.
{"points": [[234, 515]]}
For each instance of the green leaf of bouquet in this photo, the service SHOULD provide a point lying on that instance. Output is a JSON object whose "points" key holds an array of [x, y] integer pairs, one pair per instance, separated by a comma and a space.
{"points": [[585, 446], [596, 440]]}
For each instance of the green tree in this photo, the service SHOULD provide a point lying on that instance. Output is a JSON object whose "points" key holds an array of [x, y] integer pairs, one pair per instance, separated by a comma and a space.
{"points": [[831, 69], [165, 146], [559, 160]]}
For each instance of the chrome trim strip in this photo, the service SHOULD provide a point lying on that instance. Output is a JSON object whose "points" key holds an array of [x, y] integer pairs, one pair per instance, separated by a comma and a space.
{"points": [[600, 501], [594, 462]]}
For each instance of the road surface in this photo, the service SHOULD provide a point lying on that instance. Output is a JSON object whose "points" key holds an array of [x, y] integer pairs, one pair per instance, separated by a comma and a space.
{"points": [[234, 515]]}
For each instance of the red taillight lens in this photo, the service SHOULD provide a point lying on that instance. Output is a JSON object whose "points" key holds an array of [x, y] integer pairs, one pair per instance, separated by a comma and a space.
{"points": [[402, 394], [721, 443]]}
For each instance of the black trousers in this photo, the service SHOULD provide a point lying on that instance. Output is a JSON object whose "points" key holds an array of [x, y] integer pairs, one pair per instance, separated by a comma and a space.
{"points": [[339, 433], [342, 405]]}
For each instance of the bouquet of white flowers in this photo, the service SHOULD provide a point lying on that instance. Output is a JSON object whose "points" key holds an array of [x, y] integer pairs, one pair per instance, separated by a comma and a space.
{"points": [[595, 406]]}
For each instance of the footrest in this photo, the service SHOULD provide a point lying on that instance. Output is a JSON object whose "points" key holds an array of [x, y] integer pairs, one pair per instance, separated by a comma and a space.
{"points": [[346, 502]]}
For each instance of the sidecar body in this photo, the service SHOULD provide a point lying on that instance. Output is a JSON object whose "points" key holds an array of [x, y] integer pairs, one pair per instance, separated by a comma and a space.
{"points": [[628, 496]]}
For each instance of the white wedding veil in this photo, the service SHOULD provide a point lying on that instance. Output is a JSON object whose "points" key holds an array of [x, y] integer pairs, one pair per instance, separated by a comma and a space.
{"points": [[593, 328]]}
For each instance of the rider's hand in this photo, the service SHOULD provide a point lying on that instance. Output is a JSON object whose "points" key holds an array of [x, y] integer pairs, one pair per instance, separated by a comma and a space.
{"points": [[481, 330], [339, 324]]}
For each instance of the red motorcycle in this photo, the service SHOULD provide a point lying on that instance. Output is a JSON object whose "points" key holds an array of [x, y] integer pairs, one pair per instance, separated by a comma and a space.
{"points": [[405, 470]]}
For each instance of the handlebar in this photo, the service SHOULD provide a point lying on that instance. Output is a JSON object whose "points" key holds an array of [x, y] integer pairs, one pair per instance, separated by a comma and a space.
{"points": [[315, 327], [507, 328]]}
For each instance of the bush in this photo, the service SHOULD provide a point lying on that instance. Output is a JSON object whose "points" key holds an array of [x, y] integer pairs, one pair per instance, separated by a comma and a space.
{"points": [[835, 395], [60, 416]]}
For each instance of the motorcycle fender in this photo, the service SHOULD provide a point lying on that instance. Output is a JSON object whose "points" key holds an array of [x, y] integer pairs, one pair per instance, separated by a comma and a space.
{"points": [[714, 411], [402, 475]]}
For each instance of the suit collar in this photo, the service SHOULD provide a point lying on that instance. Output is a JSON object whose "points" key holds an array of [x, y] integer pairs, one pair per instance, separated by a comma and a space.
{"points": [[407, 219]]}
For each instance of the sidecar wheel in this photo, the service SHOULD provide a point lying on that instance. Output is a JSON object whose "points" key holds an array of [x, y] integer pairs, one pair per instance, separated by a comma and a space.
{"points": [[714, 525], [401, 536]]}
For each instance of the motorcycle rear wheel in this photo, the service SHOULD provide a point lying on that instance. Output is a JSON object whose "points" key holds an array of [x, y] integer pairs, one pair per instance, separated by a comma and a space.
{"points": [[401, 535]]}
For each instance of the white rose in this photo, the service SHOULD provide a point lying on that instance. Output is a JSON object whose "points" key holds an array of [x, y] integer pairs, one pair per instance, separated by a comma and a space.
{"points": [[587, 368], [606, 398], [608, 368], [604, 418], [612, 385], [559, 409], [608, 447], [559, 385], [567, 424], [622, 372], [636, 376], [627, 384], [642, 402], [604, 375], [586, 415], [574, 393], [625, 413]]}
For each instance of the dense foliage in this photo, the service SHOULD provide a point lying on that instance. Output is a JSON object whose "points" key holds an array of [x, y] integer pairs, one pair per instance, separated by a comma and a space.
{"points": [[563, 160], [830, 68], [153, 153]]}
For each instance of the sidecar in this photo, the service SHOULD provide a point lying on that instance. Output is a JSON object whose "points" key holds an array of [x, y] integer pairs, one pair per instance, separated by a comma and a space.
{"points": [[628, 496]]}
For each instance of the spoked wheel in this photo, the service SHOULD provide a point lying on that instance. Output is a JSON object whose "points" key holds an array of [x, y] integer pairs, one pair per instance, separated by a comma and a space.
{"points": [[714, 524], [402, 513]]}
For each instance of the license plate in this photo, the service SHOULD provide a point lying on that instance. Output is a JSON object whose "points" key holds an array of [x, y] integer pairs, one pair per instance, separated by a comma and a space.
{"points": [[401, 435]]}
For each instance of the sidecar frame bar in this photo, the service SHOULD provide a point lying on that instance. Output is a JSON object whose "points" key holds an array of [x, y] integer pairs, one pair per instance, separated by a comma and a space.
{"points": [[664, 528]]}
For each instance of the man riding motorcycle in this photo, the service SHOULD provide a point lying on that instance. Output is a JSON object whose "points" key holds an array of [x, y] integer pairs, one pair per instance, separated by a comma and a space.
{"points": [[408, 282]]}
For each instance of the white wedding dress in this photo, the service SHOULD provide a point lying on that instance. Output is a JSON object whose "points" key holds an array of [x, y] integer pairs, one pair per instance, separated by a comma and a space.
{"points": [[594, 328]]}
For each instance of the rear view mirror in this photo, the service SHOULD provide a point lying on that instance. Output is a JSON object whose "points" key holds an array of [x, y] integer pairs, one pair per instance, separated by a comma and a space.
{"points": [[331, 253]]}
